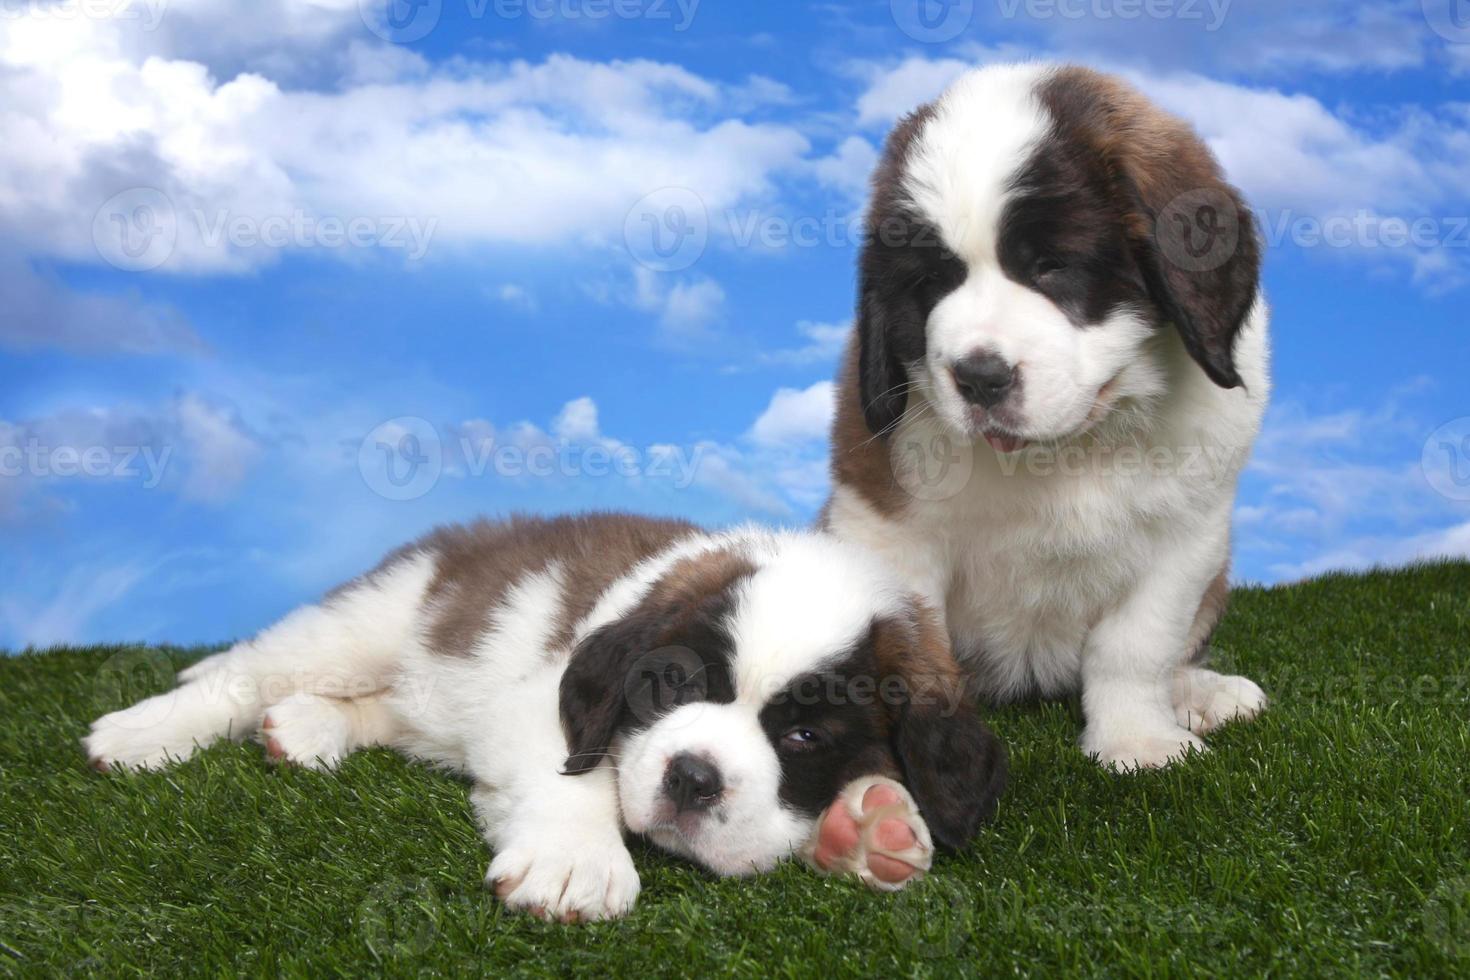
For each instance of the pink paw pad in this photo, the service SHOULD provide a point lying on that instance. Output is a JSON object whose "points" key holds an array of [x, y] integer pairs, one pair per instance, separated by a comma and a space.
{"points": [[874, 830]]}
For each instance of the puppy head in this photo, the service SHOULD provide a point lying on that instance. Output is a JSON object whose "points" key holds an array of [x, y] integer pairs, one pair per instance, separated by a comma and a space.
{"points": [[1032, 233], [750, 684]]}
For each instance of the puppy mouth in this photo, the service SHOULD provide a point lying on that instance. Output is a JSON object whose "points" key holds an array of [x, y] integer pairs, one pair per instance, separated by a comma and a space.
{"points": [[1001, 435], [1004, 442]]}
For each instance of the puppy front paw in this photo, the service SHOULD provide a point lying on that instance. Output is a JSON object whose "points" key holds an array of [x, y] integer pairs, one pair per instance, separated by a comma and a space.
{"points": [[566, 882], [873, 830], [1132, 751], [1205, 700], [305, 730]]}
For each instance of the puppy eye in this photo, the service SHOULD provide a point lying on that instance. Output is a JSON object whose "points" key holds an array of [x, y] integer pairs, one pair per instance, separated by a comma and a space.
{"points": [[1046, 265], [801, 738]]}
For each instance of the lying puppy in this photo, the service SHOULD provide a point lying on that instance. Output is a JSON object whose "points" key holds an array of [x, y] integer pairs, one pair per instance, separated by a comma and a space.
{"points": [[1058, 369], [714, 692]]}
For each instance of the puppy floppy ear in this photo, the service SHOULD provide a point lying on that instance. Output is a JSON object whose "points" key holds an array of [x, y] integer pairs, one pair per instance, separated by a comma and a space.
{"points": [[880, 377], [593, 696], [667, 651], [1192, 234], [952, 764], [888, 320]]}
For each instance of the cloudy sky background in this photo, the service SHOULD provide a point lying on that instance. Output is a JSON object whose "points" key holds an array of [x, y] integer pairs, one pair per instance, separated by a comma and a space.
{"points": [[284, 284]]}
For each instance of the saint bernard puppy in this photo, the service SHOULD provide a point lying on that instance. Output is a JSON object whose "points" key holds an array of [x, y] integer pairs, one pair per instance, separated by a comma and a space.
{"points": [[1057, 371], [736, 697]]}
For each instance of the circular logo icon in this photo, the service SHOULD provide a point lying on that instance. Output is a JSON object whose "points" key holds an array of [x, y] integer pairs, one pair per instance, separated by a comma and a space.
{"points": [[932, 21], [932, 465], [662, 680], [667, 230], [1447, 917], [136, 230], [1446, 459], [401, 459], [1199, 230], [1450, 19], [133, 679], [932, 918], [400, 918], [400, 21]]}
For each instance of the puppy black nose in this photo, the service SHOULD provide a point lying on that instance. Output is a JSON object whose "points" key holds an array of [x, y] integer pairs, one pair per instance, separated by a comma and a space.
{"points": [[984, 378], [692, 783]]}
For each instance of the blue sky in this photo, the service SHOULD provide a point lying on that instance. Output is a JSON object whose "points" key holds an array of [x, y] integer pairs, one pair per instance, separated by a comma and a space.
{"points": [[254, 255]]}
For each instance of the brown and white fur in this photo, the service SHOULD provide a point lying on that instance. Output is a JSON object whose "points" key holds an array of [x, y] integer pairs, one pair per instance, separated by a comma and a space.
{"points": [[736, 697], [1059, 365]]}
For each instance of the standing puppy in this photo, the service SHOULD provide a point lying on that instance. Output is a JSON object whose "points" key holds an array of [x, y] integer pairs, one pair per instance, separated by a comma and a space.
{"points": [[1058, 369]]}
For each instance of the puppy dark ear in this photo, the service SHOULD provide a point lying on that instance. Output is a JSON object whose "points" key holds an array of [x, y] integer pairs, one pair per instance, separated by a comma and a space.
{"points": [[952, 764], [880, 377], [1201, 264], [889, 227], [669, 650], [593, 696], [1193, 236]]}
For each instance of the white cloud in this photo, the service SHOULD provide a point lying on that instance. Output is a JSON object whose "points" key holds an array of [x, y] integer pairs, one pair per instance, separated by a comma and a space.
{"points": [[39, 311], [896, 91], [63, 616], [1382, 551], [516, 295], [848, 168], [191, 446], [795, 417], [577, 421], [219, 449], [824, 344], [482, 152], [684, 307]]}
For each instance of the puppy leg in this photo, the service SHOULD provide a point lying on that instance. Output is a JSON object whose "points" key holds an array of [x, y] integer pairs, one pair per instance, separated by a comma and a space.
{"points": [[1132, 656], [559, 851], [345, 647], [1205, 700], [874, 830], [318, 732]]}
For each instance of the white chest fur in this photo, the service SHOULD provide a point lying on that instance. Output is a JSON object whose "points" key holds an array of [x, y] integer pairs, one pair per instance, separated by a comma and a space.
{"points": [[1027, 551]]}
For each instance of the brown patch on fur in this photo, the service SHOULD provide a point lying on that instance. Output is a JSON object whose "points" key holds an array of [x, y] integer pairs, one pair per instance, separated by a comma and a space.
{"points": [[953, 765], [917, 648], [1211, 608], [674, 644], [477, 564], [692, 581], [1161, 166], [861, 461]]}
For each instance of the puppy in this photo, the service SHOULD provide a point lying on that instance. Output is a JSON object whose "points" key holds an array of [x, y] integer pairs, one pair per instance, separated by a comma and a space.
{"points": [[714, 692], [1058, 368]]}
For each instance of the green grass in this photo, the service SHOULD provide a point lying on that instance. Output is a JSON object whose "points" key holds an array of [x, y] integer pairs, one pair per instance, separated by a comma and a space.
{"points": [[1327, 838]]}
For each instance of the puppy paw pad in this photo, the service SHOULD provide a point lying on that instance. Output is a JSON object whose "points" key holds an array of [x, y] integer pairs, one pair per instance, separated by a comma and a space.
{"points": [[874, 830]]}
